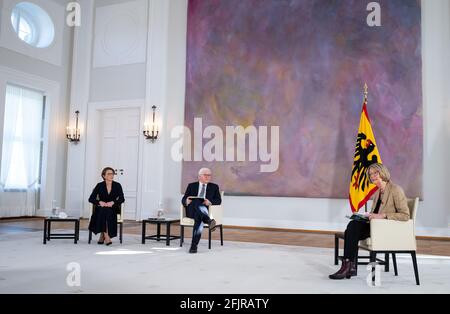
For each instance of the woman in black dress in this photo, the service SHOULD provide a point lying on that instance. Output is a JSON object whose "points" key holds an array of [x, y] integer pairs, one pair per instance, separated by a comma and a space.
{"points": [[106, 197]]}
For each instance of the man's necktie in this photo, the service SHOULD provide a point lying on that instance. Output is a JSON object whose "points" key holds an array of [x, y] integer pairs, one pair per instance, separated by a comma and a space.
{"points": [[203, 191]]}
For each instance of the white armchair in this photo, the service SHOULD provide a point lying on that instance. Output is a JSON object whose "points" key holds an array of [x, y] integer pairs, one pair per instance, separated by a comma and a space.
{"points": [[391, 237], [215, 212]]}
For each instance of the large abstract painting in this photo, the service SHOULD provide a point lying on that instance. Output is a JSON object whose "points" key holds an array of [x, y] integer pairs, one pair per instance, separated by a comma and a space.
{"points": [[300, 65]]}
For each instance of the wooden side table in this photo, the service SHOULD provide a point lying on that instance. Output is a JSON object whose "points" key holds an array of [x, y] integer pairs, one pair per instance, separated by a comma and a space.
{"points": [[158, 236], [48, 227]]}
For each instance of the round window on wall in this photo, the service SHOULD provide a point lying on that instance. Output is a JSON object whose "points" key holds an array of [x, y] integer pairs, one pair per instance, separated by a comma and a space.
{"points": [[33, 25]]}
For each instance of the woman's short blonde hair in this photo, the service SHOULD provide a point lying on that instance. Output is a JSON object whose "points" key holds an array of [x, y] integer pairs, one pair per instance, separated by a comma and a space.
{"points": [[382, 171]]}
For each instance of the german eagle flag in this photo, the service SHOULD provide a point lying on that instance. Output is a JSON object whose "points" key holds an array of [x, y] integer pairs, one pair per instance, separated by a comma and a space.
{"points": [[366, 153]]}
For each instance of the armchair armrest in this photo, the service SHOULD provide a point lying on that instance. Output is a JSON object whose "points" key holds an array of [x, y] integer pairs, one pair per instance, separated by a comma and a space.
{"points": [[182, 212], [216, 213], [120, 216], [391, 235]]}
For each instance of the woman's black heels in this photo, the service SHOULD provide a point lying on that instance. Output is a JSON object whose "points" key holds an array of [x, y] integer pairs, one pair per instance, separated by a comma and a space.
{"points": [[101, 242], [109, 243]]}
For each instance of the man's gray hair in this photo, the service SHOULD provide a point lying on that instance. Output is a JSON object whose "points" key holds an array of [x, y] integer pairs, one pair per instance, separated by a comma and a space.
{"points": [[203, 171]]}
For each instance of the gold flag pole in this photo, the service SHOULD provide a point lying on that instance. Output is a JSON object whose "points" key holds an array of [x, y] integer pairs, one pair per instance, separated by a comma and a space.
{"points": [[366, 93]]}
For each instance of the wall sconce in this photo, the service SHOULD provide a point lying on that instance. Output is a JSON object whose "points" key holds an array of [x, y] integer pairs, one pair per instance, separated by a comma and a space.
{"points": [[73, 135], [151, 132]]}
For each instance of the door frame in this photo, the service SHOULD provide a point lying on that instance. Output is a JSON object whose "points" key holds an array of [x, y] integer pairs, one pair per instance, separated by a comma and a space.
{"points": [[91, 177]]}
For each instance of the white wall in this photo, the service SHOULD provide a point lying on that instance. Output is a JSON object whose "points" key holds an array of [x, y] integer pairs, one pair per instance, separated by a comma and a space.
{"points": [[135, 75], [328, 214], [59, 74], [435, 210], [119, 50], [118, 83]]}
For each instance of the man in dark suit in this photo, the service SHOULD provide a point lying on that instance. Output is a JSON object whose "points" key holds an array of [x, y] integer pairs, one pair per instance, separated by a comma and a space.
{"points": [[197, 198]]}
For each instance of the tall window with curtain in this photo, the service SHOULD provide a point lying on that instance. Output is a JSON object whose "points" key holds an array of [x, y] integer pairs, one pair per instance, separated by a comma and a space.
{"points": [[21, 151]]}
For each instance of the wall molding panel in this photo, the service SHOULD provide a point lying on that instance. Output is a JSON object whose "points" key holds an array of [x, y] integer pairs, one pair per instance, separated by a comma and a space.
{"points": [[120, 34]]}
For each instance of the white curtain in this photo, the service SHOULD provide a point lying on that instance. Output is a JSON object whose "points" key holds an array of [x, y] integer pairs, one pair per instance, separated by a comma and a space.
{"points": [[32, 103], [21, 152], [12, 107]]}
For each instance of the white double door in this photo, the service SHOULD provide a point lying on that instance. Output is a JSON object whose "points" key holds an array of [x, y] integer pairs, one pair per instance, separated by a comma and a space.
{"points": [[119, 149]]}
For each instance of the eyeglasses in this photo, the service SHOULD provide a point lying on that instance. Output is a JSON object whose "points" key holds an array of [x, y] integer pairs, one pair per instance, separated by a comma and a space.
{"points": [[109, 174], [206, 175]]}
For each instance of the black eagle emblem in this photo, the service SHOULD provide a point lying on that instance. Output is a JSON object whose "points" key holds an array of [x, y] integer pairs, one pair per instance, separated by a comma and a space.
{"points": [[362, 162]]}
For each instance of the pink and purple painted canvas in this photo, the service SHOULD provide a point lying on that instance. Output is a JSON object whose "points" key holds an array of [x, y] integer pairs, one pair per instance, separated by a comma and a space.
{"points": [[301, 65]]}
